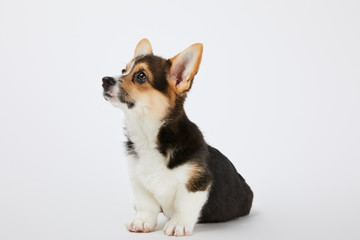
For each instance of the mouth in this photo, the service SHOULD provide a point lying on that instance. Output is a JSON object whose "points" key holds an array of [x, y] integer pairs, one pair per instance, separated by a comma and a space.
{"points": [[107, 96], [121, 97]]}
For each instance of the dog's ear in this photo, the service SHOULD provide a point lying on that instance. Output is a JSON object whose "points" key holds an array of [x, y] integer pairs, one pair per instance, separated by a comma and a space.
{"points": [[184, 66], [143, 48]]}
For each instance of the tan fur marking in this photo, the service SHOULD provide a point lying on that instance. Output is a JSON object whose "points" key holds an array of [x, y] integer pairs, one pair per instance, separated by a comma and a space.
{"points": [[145, 94], [194, 174]]}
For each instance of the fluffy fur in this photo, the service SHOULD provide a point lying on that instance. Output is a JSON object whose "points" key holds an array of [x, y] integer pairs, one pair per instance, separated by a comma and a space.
{"points": [[171, 167]]}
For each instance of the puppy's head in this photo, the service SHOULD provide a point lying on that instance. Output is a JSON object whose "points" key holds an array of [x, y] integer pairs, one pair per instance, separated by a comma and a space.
{"points": [[151, 84]]}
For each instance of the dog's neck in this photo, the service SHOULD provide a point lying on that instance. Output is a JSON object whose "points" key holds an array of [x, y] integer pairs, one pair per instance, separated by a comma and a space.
{"points": [[142, 127]]}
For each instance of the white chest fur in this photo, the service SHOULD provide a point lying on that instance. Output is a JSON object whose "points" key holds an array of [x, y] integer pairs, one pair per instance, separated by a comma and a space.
{"points": [[148, 169]]}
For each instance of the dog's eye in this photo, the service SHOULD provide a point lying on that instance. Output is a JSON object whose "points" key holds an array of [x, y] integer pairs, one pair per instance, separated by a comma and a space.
{"points": [[123, 71], [140, 77]]}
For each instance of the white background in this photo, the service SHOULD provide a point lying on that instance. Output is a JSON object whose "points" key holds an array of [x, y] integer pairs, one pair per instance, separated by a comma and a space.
{"points": [[278, 92]]}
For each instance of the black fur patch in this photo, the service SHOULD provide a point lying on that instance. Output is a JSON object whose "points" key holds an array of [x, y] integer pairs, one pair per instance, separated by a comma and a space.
{"points": [[186, 143], [180, 136], [130, 148]]}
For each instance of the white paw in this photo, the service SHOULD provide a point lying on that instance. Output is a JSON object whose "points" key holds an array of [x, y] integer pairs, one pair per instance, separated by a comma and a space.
{"points": [[140, 225], [174, 228]]}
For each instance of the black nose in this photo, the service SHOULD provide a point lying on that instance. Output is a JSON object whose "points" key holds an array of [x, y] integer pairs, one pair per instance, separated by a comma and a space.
{"points": [[108, 82]]}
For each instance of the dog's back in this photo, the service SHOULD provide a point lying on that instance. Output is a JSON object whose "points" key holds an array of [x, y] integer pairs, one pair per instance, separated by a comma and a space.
{"points": [[230, 196]]}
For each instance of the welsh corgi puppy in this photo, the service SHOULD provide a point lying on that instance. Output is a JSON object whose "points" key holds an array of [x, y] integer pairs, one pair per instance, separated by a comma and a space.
{"points": [[172, 169]]}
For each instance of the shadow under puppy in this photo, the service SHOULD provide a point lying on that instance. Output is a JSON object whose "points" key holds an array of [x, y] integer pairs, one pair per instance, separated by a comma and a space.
{"points": [[172, 169]]}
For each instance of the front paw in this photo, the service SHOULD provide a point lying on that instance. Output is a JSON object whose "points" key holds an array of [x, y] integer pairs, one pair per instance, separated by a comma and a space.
{"points": [[178, 229], [140, 225]]}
